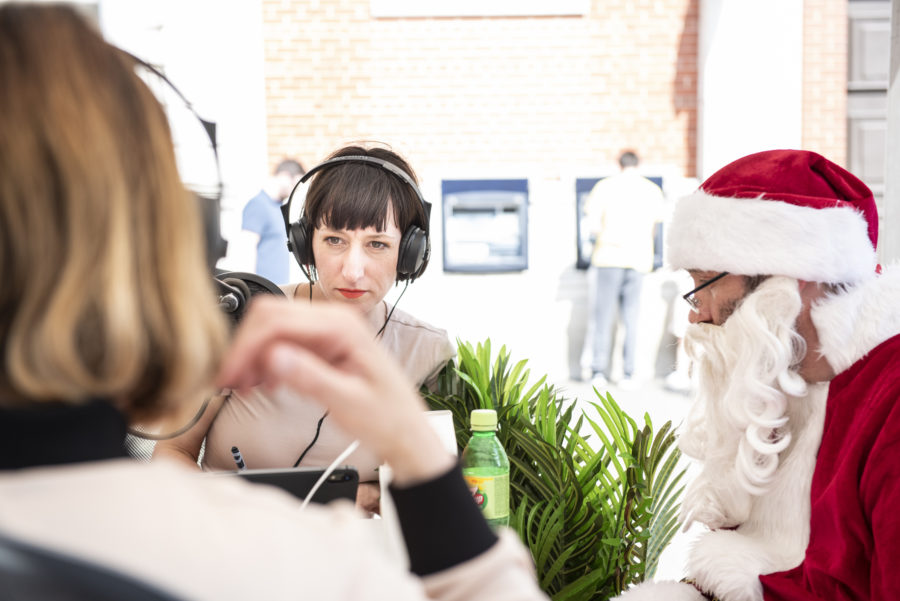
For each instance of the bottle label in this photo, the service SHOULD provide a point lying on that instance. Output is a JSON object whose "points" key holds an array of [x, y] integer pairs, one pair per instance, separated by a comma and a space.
{"points": [[491, 494]]}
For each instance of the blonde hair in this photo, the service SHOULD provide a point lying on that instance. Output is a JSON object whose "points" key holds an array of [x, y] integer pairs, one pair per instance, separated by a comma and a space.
{"points": [[105, 290]]}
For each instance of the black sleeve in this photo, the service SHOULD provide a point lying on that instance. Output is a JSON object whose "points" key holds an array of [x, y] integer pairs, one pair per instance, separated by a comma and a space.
{"points": [[441, 523]]}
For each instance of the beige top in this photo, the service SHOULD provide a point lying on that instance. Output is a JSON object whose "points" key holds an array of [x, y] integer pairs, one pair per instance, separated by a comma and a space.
{"points": [[621, 211], [272, 431], [205, 537]]}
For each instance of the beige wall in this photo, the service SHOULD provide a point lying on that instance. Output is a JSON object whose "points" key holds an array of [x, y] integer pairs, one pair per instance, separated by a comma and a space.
{"points": [[534, 90]]}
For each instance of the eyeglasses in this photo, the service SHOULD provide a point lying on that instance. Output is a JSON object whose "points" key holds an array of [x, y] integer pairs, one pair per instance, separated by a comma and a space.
{"points": [[691, 298]]}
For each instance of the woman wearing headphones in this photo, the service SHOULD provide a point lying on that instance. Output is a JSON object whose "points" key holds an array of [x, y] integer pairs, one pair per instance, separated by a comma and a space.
{"points": [[364, 227]]}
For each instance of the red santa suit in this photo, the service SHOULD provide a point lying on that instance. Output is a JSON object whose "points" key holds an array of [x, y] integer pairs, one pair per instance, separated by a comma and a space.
{"points": [[795, 214], [853, 506], [855, 500]]}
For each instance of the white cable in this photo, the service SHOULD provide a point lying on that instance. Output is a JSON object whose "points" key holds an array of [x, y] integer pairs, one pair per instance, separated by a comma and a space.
{"points": [[328, 470]]}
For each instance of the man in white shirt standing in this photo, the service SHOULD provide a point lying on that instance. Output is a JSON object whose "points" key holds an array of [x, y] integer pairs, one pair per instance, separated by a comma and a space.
{"points": [[622, 212]]}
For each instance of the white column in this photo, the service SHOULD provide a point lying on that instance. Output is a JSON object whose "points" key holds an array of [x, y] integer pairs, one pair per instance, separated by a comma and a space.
{"points": [[750, 79], [213, 52], [889, 236]]}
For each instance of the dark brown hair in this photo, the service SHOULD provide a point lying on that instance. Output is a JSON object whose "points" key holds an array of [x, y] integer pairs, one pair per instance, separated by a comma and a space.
{"points": [[357, 195]]}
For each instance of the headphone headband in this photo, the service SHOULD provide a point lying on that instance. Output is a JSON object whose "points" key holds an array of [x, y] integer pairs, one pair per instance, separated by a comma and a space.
{"points": [[386, 165]]}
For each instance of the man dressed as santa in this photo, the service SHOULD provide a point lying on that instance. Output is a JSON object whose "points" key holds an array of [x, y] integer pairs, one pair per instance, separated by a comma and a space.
{"points": [[794, 339]]}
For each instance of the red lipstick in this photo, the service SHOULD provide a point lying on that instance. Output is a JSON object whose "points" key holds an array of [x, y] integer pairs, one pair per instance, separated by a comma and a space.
{"points": [[350, 293]]}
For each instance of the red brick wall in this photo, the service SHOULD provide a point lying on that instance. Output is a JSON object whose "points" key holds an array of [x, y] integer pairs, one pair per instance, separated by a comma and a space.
{"points": [[549, 91], [825, 78]]}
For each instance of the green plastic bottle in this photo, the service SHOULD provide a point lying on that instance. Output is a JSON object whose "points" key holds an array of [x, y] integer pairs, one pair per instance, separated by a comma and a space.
{"points": [[486, 468]]}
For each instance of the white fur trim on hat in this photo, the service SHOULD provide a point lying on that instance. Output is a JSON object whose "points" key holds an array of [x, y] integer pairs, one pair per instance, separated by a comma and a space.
{"points": [[758, 236]]}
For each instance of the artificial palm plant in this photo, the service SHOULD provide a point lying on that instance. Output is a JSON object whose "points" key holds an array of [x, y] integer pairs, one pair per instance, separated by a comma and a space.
{"points": [[592, 495]]}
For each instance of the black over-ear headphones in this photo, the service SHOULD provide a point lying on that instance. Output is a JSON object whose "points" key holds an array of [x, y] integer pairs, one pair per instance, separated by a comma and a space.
{"points": [[415, 245]]}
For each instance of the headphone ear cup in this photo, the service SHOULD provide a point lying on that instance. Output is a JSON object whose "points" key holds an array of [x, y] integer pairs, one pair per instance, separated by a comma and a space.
{"points": [[300, 242], [413, 253]]}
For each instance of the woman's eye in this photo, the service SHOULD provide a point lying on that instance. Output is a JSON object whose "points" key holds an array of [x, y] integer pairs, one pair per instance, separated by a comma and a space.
{"points": [[332, 240], [379, 245]]}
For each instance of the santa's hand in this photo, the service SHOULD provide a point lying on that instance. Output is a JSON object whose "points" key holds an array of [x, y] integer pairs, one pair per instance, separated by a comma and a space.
{"points": [[327, 353], [708, 515], [714, 503], [702, 508]]}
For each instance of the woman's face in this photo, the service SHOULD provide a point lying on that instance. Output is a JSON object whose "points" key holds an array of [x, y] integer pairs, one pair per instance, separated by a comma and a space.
{"points": [[356, 267]]}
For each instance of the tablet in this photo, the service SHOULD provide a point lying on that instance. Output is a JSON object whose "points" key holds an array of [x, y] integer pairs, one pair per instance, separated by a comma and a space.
{"points": [[340, 484]]}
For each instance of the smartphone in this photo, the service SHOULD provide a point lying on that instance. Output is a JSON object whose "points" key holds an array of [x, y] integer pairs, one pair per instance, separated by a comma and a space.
{"points": [[340, 483]]}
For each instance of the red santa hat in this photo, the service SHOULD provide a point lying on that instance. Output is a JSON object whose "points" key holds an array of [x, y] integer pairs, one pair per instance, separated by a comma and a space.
{"points": [[778, 212]]}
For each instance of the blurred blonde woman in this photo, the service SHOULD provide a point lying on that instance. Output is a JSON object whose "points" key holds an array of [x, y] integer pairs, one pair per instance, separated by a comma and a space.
{"points": [[107, 317]]}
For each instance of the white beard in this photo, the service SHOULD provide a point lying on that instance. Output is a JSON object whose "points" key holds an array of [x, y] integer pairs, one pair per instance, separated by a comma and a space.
{"points": [[739, 423], [755, 429]]}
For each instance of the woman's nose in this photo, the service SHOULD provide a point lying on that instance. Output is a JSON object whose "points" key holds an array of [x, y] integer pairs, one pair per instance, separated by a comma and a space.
{"points": [[354, 264]]}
